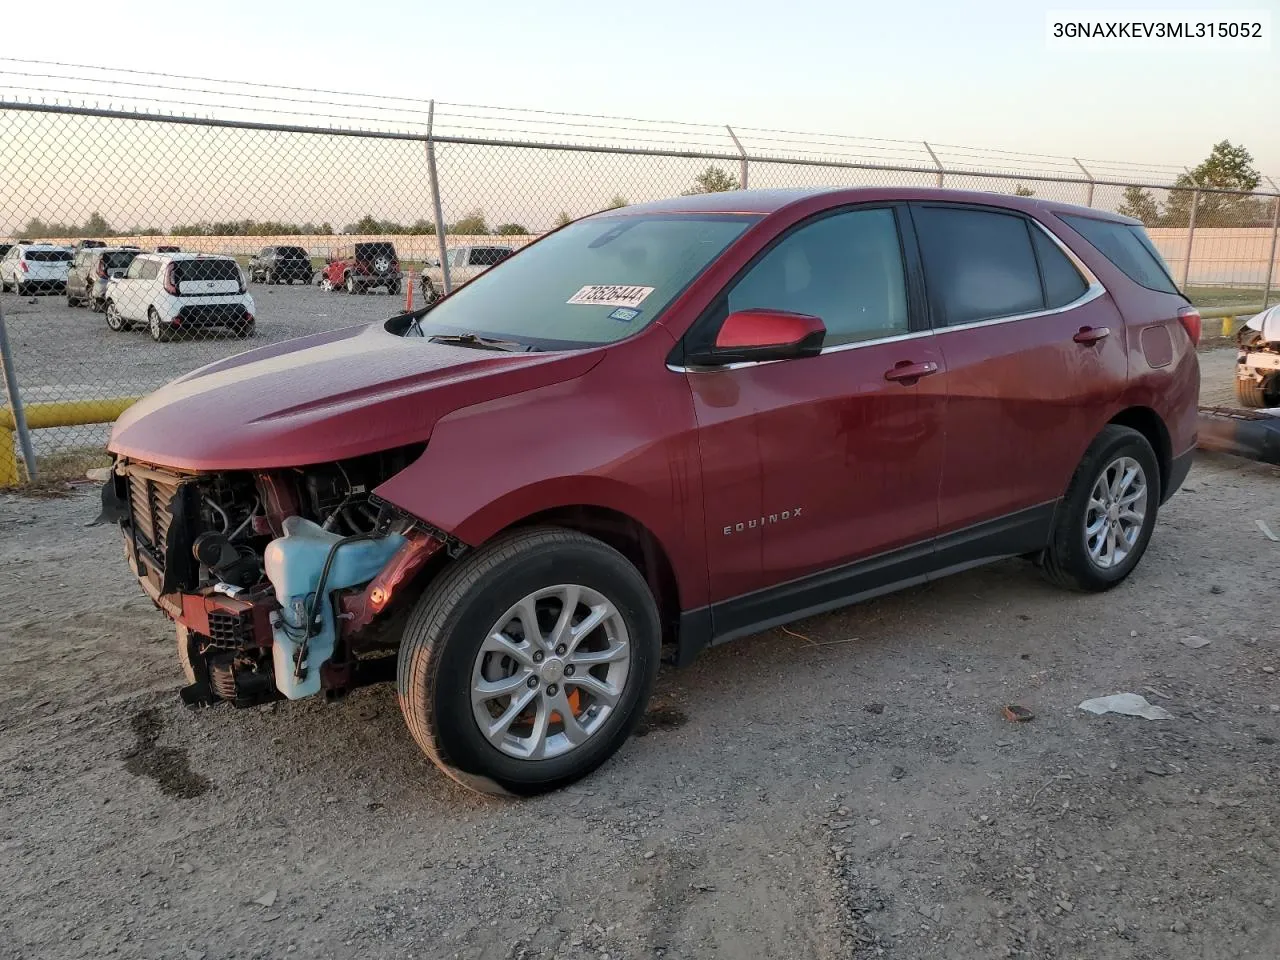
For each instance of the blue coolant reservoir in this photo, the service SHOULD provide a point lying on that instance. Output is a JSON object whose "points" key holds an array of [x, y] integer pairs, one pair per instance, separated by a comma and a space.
{"points": [[293, 563]]}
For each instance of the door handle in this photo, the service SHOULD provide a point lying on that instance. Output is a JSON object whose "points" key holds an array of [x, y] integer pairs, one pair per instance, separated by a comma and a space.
{"points": [[906, 372], [1088, 335]]}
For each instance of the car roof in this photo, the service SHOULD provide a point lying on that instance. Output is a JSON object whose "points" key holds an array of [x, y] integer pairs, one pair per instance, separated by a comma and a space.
{"points": [[765, 202], [187, 256]]}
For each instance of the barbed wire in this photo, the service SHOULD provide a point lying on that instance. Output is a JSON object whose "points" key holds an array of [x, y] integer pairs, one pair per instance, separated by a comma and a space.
{"points": [[382, 112]]}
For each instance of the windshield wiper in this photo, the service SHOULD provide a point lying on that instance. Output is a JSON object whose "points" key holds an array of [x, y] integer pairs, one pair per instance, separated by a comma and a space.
{"points": [[482, 343]]}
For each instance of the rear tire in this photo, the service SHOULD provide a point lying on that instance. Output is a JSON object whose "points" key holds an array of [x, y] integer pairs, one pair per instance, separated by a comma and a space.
{"points": [[448, 645], [160, 332], [1252, 393], [350, 284], [1069, 560]]}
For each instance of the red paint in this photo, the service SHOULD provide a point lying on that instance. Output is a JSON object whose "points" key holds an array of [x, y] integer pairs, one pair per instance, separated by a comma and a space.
{"points": [[877, 446], [765, 328]]}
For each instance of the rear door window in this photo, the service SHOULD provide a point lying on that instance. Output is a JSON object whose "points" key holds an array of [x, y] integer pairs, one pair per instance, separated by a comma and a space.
{"points": [[845, 269], [150, 270], [979, 264], [1128, 247], [1062, 281]]}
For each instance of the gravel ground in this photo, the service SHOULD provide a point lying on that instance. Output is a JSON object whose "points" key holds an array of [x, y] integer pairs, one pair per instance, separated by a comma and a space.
{"points": [[847, 788]]}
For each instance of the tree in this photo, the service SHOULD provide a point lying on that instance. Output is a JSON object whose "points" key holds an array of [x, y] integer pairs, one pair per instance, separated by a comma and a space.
{"points": [[1141, 205], [1228, 167], [618, 202], [1021, 191], [713, 180], [96, 226], [511, 230], [563, 218], [472, 224]]}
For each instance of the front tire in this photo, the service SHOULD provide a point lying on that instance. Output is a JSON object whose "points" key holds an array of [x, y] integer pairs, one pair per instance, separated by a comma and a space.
{"points": [[490, 643], [114, 321], [350, 284], [1104, 523], [1252, 393]]}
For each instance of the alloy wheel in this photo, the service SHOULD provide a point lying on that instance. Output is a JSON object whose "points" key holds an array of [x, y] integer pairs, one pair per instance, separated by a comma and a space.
{"points": [[550, 671], [1116, 512]]}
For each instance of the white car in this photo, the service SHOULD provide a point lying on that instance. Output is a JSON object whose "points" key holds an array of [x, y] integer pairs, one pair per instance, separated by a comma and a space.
{"points": [[29, 267], [175, 294]]}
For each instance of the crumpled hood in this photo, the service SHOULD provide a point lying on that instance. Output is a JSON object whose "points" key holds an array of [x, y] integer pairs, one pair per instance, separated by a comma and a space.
{"points": [[1268, 323], [324, 397]]}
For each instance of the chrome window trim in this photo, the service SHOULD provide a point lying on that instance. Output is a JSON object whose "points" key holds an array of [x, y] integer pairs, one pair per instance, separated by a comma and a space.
{"points": [[1093, 292]]}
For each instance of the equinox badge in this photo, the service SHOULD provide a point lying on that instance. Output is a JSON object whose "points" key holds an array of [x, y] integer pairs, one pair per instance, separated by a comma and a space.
{"points": [[762, 521]]}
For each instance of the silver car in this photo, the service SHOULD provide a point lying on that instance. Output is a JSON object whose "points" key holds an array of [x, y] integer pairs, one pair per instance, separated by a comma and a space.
{"points": [[92, 268]]}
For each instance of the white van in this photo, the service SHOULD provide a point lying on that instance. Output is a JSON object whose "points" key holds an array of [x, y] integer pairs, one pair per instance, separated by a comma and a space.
{"points": [[176, 294]]}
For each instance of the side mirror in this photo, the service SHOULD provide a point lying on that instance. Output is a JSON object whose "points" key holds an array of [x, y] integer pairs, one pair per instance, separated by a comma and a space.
{"points": [[752, 336]]}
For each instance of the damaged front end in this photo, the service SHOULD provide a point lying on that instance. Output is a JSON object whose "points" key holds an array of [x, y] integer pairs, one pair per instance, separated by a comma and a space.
{"points": [[281, 583]]}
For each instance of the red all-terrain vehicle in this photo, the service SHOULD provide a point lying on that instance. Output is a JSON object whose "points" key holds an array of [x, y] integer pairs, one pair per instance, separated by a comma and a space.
{"points": [[663, 426]]}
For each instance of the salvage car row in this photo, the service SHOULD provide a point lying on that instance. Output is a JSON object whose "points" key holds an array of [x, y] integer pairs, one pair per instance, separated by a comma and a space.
{"points": [[174, 294]]}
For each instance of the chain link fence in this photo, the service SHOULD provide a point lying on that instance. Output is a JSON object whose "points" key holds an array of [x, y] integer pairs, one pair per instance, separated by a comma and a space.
{"points": [[301, 229]]}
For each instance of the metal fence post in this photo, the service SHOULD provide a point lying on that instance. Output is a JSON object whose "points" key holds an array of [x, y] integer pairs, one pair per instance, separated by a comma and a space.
{"points": [[742, 164], [1271, 257], [435, 200], [934, 156], [1191, 236], [9, 469], [1088, 202]]}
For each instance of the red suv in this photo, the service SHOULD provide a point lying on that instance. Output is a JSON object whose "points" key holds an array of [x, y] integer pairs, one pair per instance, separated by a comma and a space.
{"points": [[361, 267], [667, 425]]}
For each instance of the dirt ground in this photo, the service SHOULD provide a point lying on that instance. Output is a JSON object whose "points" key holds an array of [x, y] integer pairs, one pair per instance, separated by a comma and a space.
{"points": [[845, 789]]}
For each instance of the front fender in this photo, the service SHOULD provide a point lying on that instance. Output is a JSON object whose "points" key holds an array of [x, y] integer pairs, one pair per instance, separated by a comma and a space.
{"points": [[622, 436]]}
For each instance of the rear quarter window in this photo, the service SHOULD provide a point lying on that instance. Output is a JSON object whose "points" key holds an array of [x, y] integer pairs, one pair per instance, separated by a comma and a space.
{"points": [[1129, 248]]}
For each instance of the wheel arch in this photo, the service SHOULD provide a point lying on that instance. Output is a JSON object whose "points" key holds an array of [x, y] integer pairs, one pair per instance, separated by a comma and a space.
{"points": [[631, 538], [1150, 424]]}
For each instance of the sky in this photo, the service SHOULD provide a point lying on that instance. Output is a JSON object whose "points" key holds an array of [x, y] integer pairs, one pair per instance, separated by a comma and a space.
{"points": [[974, 74]]}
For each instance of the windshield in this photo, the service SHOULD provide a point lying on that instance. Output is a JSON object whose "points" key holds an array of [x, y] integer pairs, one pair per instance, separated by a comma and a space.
{"points": [[595, 281]]}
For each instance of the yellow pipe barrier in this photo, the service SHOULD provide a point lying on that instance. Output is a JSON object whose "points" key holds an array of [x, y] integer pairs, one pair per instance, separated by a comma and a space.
{"points": [[67, 413]]}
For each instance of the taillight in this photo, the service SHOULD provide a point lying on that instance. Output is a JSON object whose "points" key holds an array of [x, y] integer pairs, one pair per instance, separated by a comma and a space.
{"points": [[1189, 317], [170, 284], [23, 265], [102, 270]]}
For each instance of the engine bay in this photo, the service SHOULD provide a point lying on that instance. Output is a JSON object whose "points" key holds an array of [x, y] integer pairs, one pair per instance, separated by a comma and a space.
{"points": [[278, 581]]}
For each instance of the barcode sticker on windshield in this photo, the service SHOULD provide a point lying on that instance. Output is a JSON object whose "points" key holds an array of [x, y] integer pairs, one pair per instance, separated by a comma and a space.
{"points": [[611, 295]]}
